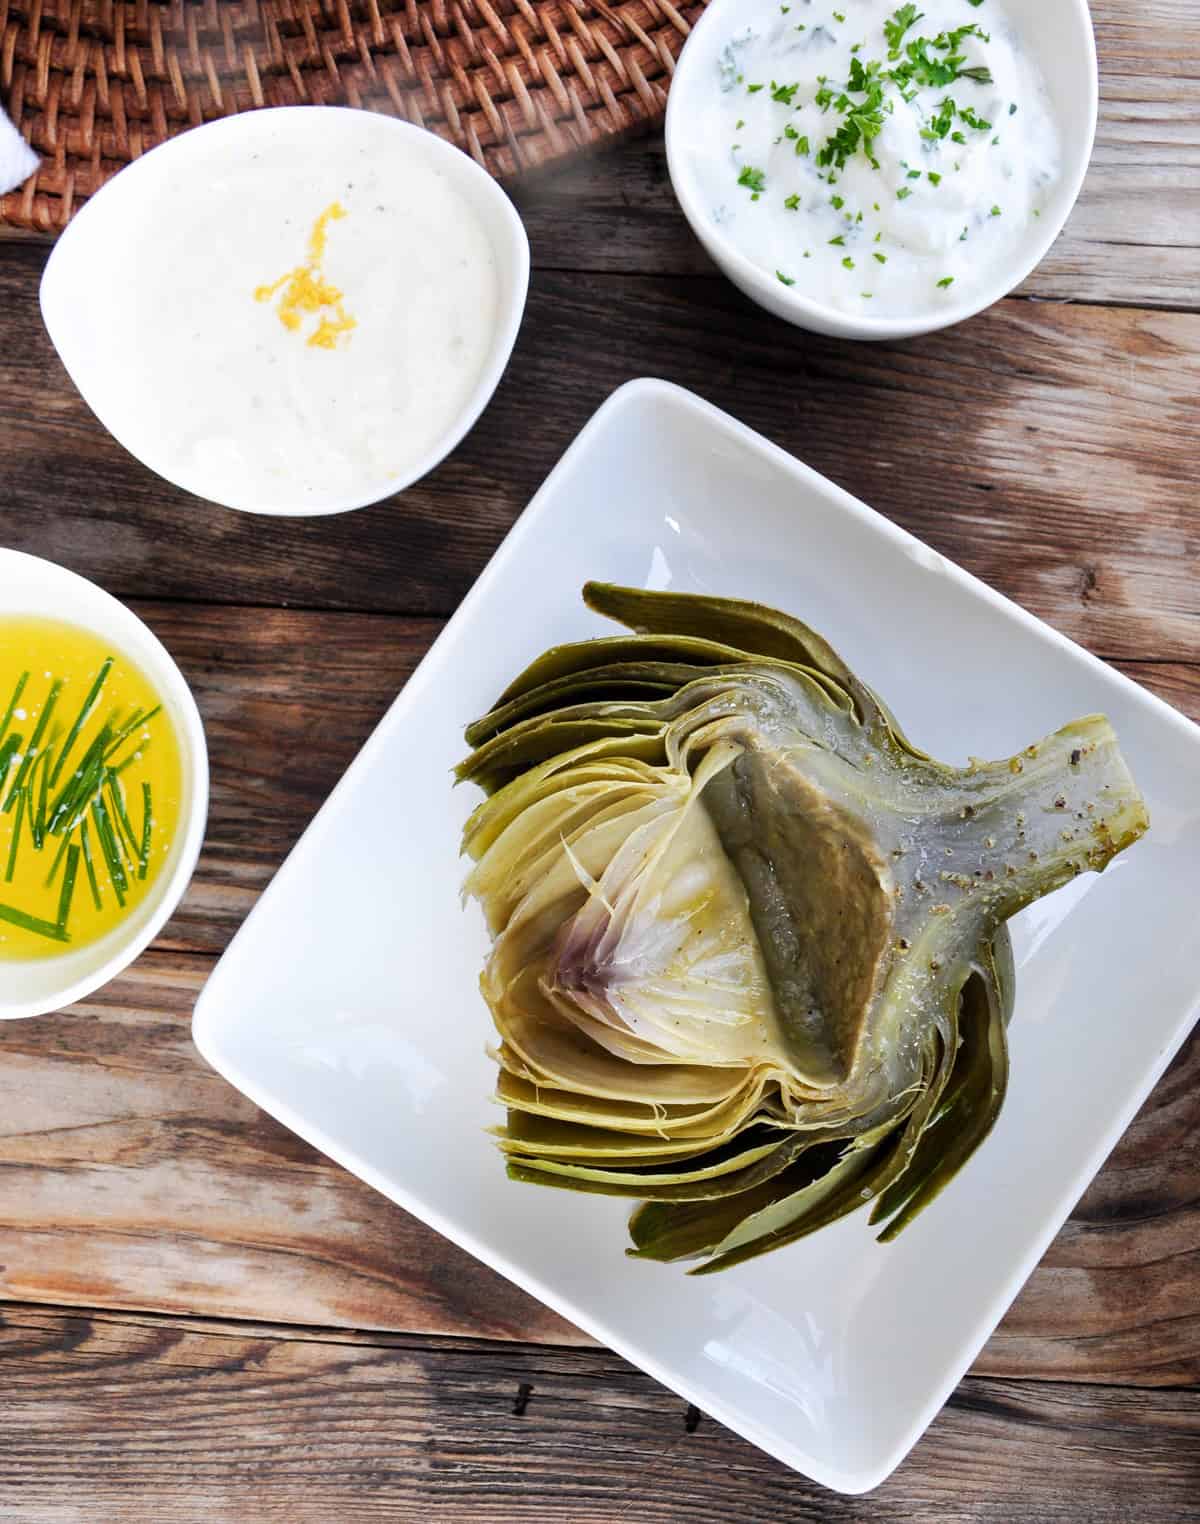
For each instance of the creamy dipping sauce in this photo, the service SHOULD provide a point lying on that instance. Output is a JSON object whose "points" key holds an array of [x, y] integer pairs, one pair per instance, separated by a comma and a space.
{"points": [[881, 159], [305, 317]]}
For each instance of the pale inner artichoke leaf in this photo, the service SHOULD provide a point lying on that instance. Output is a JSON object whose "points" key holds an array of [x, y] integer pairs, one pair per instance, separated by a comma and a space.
{"points": [[716, 1124], [820, 900], [551, 1137]]}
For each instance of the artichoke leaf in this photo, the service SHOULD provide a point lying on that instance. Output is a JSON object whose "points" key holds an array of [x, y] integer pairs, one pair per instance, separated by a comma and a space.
{"points": [[749, 961]]}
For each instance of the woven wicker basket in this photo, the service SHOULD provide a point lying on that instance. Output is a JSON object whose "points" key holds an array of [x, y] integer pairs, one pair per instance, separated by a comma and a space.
{"points": [[517, 83]]}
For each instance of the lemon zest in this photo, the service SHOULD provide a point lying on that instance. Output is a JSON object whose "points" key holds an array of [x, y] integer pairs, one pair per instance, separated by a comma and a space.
{"points": [[306, 292]]}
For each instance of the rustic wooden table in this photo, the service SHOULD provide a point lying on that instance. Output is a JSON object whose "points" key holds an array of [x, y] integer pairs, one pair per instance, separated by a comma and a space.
{"points": [[204, 1319]]}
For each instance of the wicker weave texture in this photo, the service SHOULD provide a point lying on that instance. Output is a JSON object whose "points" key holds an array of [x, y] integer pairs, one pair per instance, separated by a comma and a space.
{"points": [[516, 83]]}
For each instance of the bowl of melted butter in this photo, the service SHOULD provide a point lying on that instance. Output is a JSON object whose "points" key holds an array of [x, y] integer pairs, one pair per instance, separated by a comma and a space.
{"points": [[103, 786]]}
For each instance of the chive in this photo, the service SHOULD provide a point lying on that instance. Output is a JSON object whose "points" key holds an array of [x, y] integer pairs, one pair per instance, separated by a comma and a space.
{"points": [[38, 733], [81, 718], [68, 888], [58, 857], [147, 829], [8, 751], [131, 725], [117, 795], [16, 837], [32, 923], [12, 704], [132, 758], [116, 869], [83, 783], [38, 816], [86, 843]]}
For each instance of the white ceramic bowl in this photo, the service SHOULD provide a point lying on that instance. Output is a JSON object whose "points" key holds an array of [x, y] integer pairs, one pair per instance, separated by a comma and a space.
{"points": [[1058, 34], [29, 585], [90, 256]]}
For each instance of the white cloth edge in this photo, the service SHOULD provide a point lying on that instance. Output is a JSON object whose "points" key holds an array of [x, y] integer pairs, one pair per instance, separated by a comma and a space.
{"points": [[17, 160]]}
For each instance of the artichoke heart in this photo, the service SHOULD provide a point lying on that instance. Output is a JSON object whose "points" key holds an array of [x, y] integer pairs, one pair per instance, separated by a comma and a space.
{"points": [[749, 963]]}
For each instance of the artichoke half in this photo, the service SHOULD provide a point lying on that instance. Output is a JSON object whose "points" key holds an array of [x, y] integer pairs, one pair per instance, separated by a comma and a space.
{"points": [[749, 960]]}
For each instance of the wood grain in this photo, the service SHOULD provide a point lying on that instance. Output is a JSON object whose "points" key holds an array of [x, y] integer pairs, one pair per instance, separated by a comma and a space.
{"points": [[179, 1420], [1048, 446], [1049, 449], [132, 1176]]}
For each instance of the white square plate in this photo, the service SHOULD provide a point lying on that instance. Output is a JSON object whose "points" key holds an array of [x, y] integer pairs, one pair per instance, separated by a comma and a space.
{"points": [[348, 1007]]}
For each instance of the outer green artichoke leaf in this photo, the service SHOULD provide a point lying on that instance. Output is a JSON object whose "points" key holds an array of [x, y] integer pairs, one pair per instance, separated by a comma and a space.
{"points": [[748, 952]]}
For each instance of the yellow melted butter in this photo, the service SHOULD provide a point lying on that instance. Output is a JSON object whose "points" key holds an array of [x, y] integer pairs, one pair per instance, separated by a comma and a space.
{"points": [[49, 650], [306, 292]]}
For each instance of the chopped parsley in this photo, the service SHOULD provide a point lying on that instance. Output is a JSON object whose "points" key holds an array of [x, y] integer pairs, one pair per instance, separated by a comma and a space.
{"points": [[792, 203], [783, 93], [783, 279], [894, 30], [933, 177], [946, 280], [753, 179], [882, 258], [848, 263], [995, 212], [904, 193], [839, 240], [837, 203]]}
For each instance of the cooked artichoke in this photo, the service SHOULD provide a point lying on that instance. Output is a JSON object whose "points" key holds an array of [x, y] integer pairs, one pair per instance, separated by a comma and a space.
{"points": [[749, 960]]}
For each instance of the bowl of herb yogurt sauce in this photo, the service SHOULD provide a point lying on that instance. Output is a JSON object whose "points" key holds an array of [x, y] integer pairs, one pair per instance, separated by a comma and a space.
{"points": [[878, 170]]}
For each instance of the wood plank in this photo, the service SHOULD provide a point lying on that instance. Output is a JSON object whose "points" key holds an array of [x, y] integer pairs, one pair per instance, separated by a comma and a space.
{"points": [[132, 1176], [162, 1420], [1047, 448]]}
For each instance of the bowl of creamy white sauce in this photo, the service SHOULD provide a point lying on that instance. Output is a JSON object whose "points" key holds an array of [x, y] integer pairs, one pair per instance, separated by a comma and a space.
{"points": [[876, 170], [292, 311]]}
